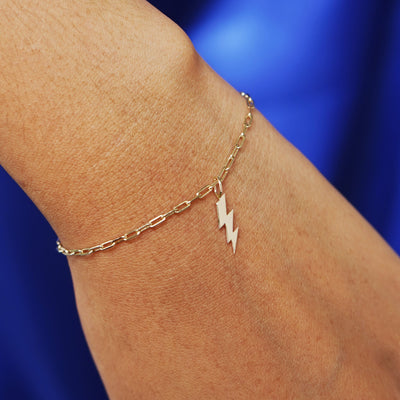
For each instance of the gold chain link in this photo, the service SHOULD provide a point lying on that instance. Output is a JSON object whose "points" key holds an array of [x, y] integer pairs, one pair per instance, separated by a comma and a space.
{"points": [[179, 208]]}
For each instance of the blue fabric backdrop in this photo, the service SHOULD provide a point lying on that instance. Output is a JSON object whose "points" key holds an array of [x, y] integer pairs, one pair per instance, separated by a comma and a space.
{"points": [[327, 75]]}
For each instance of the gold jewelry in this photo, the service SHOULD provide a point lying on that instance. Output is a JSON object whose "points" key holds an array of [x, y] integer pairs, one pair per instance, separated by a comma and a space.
{"points": [[216, 185]]}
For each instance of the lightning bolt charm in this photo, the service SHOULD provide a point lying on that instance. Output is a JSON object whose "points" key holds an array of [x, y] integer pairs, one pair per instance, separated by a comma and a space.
{"points": [[227, 220]]}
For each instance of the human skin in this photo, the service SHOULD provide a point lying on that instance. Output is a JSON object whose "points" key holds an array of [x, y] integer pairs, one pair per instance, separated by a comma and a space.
{"points": [[109, 117]]}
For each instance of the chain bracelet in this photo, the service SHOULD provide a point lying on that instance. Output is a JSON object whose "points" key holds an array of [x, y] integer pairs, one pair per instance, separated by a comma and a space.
{"points": [[179, 208]]}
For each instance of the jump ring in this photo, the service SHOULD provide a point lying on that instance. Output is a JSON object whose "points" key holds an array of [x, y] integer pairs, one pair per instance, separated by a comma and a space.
{"points": [[221, 191]]}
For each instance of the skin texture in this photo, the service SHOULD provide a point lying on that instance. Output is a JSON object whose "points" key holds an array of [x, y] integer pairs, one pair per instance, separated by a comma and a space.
{"points": [[110, 118]]}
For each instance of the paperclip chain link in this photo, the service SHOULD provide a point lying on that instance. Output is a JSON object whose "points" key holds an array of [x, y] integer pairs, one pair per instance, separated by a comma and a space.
{"points": [[179, 208]]}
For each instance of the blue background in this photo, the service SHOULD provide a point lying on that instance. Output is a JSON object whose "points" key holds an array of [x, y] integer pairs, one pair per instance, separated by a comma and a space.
{"points": [[325, 73]]}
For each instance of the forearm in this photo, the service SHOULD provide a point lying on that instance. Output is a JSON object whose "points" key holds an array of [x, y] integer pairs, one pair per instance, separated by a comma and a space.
{"points": [[78, 89], [113, 120]]}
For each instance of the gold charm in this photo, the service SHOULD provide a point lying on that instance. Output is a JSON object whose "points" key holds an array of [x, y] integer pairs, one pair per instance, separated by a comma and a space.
{"points": [[226, 219]]}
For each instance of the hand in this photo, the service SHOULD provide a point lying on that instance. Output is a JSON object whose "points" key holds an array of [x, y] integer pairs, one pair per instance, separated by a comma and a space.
{"points": [[113, 119]]}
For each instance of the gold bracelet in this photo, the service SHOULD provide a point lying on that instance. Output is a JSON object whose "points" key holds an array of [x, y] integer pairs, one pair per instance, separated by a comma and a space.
{"points": [[215, 185]]}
